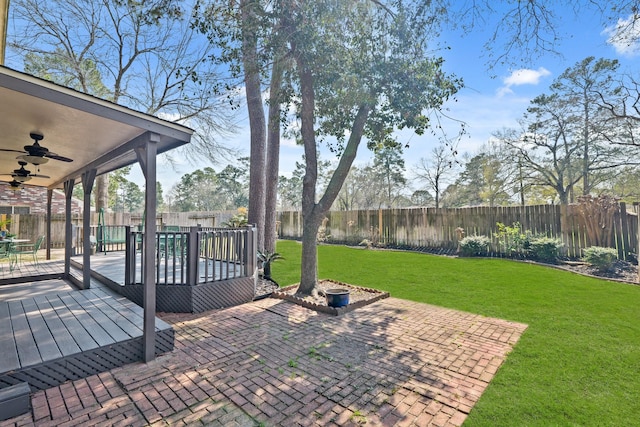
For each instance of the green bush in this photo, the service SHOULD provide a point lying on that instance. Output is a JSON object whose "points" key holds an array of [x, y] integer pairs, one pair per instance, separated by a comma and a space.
{"points": [[545, 248], [599, 257], [474, 245], [512, 240]]}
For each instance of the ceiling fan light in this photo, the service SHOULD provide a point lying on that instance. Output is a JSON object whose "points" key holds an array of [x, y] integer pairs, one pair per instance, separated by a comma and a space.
{"points": [[15, 186], [21, 178], [34, 160]]}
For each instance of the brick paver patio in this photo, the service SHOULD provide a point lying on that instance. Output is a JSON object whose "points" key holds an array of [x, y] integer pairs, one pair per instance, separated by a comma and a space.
{"points": [[270, 362]]}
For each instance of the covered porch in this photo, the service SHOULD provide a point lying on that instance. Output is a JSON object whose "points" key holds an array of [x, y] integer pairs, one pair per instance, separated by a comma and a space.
{"points": [[67, 138]]}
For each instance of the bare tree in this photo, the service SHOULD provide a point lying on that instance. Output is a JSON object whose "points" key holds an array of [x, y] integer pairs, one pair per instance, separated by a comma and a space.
{"points": [[436, 170], [145, 54]]}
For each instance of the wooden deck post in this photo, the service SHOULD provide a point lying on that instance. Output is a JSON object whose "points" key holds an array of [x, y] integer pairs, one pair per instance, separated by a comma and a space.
{"points": [[48, 225], [68, 227], [88, 179], [252, 251], [147, 159], [193, 256]]}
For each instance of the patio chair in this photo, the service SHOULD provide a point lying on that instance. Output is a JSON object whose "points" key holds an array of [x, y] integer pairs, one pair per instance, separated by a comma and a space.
{"points": [[6, 253], [28, 249]]}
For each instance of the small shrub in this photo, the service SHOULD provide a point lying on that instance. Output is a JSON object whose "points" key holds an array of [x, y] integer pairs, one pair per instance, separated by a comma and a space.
{"points": [[511, 239], [474, 245], [238, 220], [545, 248], [321, 235], [601, 258], [266, 258]]}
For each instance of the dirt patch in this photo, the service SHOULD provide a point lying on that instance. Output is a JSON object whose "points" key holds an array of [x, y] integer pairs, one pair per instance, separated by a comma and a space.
{"points": [[358, 297]]}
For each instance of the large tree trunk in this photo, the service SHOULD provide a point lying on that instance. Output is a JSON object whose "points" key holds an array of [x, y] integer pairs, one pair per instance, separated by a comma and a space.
{"points": [[256, 117], [273, 153], [102, 192], [313, 213], [309, 267]]}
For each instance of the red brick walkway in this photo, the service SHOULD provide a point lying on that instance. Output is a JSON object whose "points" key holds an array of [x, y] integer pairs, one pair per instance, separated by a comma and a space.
{"points": [[270, 362]]}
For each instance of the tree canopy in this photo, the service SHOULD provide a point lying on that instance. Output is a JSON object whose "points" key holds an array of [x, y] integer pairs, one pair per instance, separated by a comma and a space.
{"points": [[362, 70]]}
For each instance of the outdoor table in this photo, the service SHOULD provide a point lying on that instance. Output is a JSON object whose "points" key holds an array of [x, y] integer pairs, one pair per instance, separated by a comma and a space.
{"points": [[7, 242]]}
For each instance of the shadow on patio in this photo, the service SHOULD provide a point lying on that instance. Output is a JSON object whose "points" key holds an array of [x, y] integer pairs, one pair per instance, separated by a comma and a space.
{"points": [[273, 362]]}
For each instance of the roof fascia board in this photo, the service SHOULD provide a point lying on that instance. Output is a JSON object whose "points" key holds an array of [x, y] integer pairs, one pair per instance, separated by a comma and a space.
{"points": [[121, 151]]}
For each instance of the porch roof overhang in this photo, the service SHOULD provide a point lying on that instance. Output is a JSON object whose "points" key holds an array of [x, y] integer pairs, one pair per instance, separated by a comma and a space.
{"points": [[96, 134]]}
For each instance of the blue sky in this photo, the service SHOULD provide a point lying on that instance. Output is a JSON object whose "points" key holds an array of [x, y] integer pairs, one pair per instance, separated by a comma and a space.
{"points": [[493, 99]]}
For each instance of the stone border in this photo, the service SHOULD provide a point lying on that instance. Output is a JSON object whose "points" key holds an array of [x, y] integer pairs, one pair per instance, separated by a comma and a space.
{"points": [[334, 311]]}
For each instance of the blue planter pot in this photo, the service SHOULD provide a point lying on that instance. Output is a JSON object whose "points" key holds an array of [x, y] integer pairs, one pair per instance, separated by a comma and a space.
{"points": [[338, 297]]}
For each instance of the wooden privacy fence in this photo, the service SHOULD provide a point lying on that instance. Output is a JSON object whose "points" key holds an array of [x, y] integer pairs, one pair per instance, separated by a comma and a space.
{"points": [[419, 228], [425, 228]]}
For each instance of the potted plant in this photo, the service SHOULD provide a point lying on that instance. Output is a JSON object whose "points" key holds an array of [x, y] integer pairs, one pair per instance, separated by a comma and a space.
{"points": [[3, 227]]}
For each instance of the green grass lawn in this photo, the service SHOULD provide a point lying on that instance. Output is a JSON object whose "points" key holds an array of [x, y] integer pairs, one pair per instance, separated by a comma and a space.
{"points": [[578, 363]]}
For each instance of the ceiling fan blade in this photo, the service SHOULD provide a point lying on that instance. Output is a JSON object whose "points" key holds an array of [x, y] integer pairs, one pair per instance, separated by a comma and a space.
{"points": [[37, 175], [12, 151], [57, 157]]}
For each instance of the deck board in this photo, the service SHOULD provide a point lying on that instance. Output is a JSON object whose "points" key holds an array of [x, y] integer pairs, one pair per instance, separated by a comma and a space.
{"points": [[41, 334], [115, 312], [115, 332], [8, 352], [133, 312], [25, 342], [82, 338], [65, 342], [86, 321]]}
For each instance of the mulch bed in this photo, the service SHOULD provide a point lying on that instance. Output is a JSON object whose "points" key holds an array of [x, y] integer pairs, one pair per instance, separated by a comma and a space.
{"points": [[358, 297], [622, 271], [264, 288]]}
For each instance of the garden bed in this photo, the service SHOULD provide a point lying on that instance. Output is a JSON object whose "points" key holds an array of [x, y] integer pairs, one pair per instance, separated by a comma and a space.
{"points": [[622, 271], [358, 297]]}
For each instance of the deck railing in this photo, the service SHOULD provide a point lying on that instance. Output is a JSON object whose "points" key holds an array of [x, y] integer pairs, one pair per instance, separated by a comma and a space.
{"points": [[193, 257]]}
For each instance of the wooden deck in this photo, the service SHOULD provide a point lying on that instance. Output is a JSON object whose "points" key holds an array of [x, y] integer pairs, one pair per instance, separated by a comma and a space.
{"points": [[169, 270], [25, 271], [63, 335], [220, 284]]}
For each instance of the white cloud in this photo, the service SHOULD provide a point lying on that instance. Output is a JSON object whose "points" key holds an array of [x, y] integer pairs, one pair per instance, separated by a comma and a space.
{"points": [[624, 36], [523, 76]]}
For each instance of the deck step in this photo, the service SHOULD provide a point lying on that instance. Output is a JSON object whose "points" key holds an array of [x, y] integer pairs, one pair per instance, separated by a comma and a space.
{"points": [[15, 400]]}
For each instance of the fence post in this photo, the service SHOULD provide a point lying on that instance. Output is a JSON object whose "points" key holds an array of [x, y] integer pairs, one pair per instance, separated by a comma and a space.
{"points": [[623, 239], [637, 236], [564, 227]]}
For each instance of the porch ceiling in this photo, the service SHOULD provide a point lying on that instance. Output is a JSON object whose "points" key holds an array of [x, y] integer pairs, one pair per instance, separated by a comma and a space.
{"points": [[94, 133]]}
